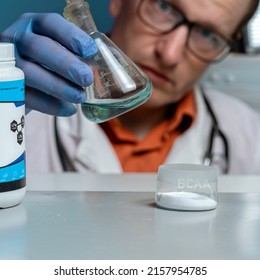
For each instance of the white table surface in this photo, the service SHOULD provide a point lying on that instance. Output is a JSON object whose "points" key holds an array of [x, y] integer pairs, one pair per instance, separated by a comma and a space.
{"points": [[134, 182], [87, 216]]}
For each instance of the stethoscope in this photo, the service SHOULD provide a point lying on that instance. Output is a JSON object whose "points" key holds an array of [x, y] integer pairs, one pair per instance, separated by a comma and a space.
{"points": [[221, 160]]}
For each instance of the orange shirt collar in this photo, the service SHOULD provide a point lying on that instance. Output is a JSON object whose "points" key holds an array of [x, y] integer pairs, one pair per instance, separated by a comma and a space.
{"points": [[185, 108], [147, 154]]}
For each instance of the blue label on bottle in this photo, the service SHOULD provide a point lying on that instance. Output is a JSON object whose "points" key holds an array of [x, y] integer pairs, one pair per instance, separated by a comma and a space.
{"points": [[12, 135], [12, 91], [13, 172]]}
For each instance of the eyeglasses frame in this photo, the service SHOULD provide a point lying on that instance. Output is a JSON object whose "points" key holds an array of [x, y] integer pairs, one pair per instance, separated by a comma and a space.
{"points": [[231, 43]]}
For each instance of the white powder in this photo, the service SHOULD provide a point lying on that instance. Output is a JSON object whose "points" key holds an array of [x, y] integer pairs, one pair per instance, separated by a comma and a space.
{"points": [[186, 201]]}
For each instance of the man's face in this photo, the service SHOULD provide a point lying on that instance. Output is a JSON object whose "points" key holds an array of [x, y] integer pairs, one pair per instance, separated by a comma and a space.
{"points": [[163, 57]]}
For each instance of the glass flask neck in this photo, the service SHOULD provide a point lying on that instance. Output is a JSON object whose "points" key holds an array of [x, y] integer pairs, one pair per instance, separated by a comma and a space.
{"points": [[77, 11]]}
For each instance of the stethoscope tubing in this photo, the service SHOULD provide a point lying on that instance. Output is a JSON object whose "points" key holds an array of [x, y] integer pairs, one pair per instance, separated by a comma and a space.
{"points": [[215, 131]]}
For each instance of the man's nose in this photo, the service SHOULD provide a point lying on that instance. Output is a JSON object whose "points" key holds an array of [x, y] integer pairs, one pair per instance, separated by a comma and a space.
{"points": [[171, 47]]}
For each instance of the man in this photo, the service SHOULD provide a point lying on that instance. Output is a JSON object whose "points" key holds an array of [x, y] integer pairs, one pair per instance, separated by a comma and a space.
{"points": [[173, 42]]}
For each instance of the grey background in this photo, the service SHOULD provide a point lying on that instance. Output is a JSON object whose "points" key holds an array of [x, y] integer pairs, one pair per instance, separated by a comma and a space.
{"points": [[11, 9]]}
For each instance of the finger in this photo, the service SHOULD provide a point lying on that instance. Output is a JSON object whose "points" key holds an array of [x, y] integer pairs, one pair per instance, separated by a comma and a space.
{"points": [[66, 33], [39, 101], [47, 52], [50, 83], [22, 25]]}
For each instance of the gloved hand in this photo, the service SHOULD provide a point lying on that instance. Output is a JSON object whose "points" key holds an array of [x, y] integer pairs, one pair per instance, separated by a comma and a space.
{"points": [[47, 46]]}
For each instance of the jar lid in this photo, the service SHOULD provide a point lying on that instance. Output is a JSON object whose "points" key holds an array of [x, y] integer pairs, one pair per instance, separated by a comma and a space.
{"points": [[6, 51]]}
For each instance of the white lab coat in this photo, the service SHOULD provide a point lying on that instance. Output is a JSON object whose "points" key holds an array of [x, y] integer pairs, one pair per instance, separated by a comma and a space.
{"points": [[90, 150]]}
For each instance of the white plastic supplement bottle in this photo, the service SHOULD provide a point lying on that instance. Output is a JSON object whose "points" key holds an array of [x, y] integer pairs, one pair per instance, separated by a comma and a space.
{"points": [[12, 125]]}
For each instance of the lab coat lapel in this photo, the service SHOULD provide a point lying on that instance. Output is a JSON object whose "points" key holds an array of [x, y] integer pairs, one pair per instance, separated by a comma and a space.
{"points": [[190, 146], [95, 151]]}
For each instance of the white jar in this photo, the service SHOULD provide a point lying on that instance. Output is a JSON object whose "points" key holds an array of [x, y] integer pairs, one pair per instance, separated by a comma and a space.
{"points": [[12, 125]]}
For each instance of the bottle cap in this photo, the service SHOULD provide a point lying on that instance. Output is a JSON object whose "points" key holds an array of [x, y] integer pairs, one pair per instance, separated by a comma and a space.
{"points": [[6, 51]]}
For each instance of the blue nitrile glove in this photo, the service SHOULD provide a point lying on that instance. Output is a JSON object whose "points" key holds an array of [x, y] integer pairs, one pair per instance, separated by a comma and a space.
{"points": [[47, 46]]}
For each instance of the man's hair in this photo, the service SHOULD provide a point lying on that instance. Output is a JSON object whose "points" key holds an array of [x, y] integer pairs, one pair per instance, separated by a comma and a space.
{"points": [[251, 11]]}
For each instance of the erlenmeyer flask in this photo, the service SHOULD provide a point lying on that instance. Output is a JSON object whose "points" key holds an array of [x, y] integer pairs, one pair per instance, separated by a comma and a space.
{"points": [[119, 85]]}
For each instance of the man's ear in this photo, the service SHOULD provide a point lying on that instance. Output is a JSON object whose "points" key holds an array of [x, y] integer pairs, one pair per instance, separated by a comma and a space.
{"points": [[115, 7]]}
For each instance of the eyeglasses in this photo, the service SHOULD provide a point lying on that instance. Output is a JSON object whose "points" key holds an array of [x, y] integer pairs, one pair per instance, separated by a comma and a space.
{"points": [[162, 17]]}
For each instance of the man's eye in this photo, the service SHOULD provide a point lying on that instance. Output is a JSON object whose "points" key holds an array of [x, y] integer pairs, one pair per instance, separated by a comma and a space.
{"points": [[206, 33], [164, 6], [210, 37]]}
